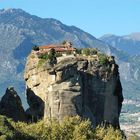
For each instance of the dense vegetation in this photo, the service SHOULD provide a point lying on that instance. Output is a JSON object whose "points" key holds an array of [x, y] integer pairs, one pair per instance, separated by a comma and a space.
{"points": [[50, 57], [102, 58], [89, 51], [71, 128], [35, 48]]}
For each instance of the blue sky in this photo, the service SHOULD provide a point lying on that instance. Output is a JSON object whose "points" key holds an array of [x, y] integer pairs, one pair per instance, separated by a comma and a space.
{"points": [[97, 17]]}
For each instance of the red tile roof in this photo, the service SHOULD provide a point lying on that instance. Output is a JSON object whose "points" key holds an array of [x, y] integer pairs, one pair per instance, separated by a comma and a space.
{"points": [[52, 46], [58, 48], [64, 49]]}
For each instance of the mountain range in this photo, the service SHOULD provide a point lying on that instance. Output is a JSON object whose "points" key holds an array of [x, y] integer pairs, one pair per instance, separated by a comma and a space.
{"points": [[130, 46], [20, 31], [127, 43]]}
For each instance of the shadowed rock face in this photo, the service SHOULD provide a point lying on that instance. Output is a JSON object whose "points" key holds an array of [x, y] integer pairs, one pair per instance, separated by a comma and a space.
{"points": [[36, 106], [11, 106], [77, 86]]}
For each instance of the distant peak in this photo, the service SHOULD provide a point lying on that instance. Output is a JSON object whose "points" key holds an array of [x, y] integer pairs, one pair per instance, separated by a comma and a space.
{"points": [[11, 10], [107, 36], [135, 33], [6, 10], [134, 36]]}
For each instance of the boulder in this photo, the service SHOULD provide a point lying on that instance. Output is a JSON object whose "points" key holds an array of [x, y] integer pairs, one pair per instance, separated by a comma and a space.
{"points": [[11, 105]]}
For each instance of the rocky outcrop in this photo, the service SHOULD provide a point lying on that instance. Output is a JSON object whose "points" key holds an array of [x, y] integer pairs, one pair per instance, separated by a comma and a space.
{"points": [[11, 106], [36, 106], [77, 86]]}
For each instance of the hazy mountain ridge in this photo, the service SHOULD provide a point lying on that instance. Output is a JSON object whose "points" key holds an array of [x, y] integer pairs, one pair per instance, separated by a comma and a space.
{"points": [[130, 45], [19, 31], [127, 43]]}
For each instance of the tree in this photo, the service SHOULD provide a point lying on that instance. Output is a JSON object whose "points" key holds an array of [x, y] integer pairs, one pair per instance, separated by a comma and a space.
{"points": [[78, 51], [102, 59], [93, 51], [64, 42], [86, 51], [52, 57], [43, 56], [51, 54], [35, 48]]}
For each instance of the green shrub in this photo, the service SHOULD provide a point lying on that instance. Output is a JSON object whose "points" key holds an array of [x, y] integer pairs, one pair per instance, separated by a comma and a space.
{"points": [[43, 56], [86, 51], [32, 56], [10, 88], [93, 51], [58, 54], [52, 57], [41, 62], [83, 131], [102, 59], [71, 128], [4, 137], [79, 51], [51, 54], [64, 42], [5, 127], [108, 133]]}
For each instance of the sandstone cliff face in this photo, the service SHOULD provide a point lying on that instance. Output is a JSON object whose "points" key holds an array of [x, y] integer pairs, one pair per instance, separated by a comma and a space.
{"points": [[11, 106], [77, 86]]}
